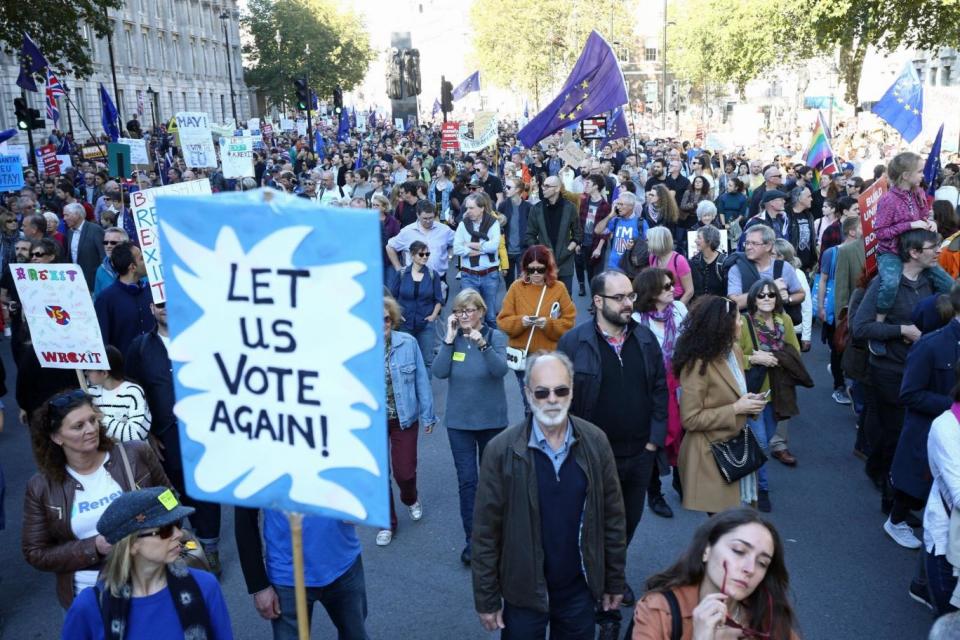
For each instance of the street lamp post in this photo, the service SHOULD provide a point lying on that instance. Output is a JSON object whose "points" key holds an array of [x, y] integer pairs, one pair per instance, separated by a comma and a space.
{"points": [[153, 105], [224, 16], [663, 64], [834, 73], [279, 40]]}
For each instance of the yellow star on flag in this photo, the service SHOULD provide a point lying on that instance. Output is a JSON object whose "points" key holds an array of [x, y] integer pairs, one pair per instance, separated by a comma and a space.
{"points": [[584, 84], [907, 107]]}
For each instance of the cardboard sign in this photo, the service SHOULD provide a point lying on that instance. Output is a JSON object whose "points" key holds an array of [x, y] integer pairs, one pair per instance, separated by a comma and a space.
{"points": [[47, 155], [253, 123], [11, 173], [59, 312], [301, 127], [144, 208], [138, 150], [93, 152], [286, 124], [237, 157], [398, 124], [196, 139], [277, 348], [20, 150], [449, 136], [868, 210], [118, 160], [484, 133], [572, 154]]}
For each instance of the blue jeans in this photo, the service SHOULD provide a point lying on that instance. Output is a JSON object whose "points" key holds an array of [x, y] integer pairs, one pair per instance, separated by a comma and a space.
{"points": [[488, 287], [940, 582], [467, 446], [763, 426], [426, 339], [570, 618], [345, 600]]}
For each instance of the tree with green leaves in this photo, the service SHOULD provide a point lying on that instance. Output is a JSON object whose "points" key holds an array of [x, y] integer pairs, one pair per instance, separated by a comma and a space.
{"points": [[530, 46], [52, 25], [340, 51]]}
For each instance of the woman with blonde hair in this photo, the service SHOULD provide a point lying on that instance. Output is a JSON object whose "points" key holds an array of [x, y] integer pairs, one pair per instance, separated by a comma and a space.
{"points": [[661, 254], [473, 358], [389, 227], [146, 591]]}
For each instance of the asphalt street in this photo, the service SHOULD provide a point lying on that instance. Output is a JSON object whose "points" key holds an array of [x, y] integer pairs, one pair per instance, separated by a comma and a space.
{"points": [[848, 579]]}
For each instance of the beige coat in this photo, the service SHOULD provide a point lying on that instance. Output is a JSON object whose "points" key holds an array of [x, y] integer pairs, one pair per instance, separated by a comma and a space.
{"points": [[706, 412]]}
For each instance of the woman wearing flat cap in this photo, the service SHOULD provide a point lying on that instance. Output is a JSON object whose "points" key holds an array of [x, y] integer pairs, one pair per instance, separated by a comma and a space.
{"points": [[145, 590]]}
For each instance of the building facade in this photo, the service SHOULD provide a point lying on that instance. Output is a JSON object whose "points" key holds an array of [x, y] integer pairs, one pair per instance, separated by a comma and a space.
{"points": [[169, 56]]}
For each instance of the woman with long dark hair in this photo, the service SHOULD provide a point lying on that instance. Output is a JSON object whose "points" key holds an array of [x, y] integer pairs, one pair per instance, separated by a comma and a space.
{"points": [[731, 582], [714, 405]]}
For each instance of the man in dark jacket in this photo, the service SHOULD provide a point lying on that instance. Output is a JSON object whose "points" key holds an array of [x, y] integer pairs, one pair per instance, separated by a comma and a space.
{"points": [[555, 222], [516, 210], [621, 386], [123, 308], [548, 491], [148, 364]]}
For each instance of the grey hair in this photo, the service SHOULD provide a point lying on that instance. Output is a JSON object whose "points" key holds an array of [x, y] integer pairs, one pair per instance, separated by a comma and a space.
{"points": [[628, 197], [795, 194], [120, 230], [946, 627], [706, 208], [787, 252], [710, 235], [533, 359], [766, 233], [76, 208]]}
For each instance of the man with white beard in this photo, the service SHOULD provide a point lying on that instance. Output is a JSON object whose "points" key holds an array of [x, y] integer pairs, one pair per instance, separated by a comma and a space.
{"points": [[548, 490]]}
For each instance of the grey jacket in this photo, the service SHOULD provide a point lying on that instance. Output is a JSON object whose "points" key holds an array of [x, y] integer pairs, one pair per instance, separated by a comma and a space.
{"points": [[507, 562], [866, 327]]}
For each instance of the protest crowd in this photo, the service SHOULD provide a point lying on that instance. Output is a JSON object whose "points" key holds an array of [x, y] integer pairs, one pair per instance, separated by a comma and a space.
{"points": [[709, 275]]}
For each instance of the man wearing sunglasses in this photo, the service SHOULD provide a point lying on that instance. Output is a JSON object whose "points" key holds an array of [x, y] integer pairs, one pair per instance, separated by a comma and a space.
{"points": [[620, 385], [576, 524]]}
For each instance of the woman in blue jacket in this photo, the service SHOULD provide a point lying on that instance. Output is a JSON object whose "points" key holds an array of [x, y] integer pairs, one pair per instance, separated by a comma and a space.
{"points": [[417, 289], [409, 402]]}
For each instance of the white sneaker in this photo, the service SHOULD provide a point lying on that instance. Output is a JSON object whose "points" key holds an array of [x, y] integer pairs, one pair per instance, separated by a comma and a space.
{"points": [[840, 397], [384, 537], [416, 510], [902, 534]]}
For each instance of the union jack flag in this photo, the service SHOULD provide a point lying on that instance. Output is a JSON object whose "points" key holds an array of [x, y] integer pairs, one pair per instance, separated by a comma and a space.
{"points": [[54, 88]]}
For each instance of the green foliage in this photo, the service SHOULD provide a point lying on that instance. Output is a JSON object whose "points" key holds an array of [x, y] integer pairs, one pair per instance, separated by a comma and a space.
{"points": [[340, 51], [531, 45], [52, 24]]}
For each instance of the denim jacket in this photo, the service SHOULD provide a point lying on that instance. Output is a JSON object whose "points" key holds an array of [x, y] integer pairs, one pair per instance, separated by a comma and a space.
{"points": [[411, 383]]}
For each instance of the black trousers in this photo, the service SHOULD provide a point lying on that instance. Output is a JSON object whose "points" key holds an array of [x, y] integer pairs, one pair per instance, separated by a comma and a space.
{"points": [[206, 521], [884, 420]]}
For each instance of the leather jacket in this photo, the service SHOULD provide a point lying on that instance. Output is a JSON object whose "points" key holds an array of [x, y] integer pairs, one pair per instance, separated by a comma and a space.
{"points": [[47, 540]]}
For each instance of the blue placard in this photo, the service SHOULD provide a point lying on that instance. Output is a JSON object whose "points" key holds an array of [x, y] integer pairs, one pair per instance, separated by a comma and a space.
{"points": [[11, 173], [275, 312]]}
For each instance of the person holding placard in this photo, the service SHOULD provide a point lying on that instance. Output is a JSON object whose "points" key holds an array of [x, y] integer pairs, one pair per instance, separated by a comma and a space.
{"points": [[474, 360], [81, 470]]}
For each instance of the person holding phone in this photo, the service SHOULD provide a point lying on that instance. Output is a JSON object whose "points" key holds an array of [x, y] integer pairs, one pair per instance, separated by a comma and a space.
{"points": [[537, 308], [473, 358], [715, 403]]}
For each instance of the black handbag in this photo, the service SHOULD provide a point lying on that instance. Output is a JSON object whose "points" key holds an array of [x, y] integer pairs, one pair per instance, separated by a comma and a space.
{"points": [[757, 373], [739, 456]]}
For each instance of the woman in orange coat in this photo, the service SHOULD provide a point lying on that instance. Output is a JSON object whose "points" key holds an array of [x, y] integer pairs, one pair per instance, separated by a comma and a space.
{"points": [[537, 308], [731, 582]]}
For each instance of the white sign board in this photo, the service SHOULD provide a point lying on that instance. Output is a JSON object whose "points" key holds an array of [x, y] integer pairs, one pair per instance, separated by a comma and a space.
{"points": [[253, 123], [196, 139], [138, 150], [144, 206], [301, 127], [286, 124], [16, 150], [237, 157], [57, 307]]}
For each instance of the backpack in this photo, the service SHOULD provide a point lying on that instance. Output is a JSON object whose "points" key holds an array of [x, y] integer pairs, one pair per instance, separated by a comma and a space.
{"points": [[676, 618], [749, 275]]}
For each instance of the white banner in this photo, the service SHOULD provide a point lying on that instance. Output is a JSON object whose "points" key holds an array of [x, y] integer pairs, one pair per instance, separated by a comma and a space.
{"points": [[301, 127], [196, 139], [144, 208], [253, 123], [482, 139], [16, 150], [286, 124], [237, 157], [59, 312], [138, 150]]}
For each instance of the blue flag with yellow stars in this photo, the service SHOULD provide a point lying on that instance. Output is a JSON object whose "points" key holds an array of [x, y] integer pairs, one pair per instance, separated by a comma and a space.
{"points": [[595, 85], [616, 125], [902, 105]]}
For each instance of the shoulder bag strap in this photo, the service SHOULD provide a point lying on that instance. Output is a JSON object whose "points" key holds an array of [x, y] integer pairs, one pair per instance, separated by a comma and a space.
{"points": [[676, 618], [543, 292], [126, 467], [753, 334]]}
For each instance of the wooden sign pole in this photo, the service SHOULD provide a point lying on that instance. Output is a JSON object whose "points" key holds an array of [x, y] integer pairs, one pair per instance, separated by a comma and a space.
{"points": [[300, 588]]}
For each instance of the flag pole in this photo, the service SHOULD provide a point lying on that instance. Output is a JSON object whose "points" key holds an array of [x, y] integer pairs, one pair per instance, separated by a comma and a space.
{"points": [[113, 72], [70, 103]]}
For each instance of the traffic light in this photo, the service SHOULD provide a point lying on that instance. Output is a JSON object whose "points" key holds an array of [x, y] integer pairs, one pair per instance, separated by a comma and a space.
{"points": [[337, 100], [23, 114], [303, 93], [446, 96], [36, 120]]}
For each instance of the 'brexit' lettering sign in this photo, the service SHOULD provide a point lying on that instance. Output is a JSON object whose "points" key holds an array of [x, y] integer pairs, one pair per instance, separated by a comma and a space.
{"points": [[277, 346]]}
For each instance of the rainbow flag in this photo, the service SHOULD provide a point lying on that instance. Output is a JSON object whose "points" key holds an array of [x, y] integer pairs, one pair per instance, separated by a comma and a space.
{"points": [[819, 154]]}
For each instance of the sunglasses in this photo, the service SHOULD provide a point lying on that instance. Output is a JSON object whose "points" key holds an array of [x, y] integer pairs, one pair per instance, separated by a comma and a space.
{"points": [[540, 270], [387, 319], [110, 243], [38, 254], [164, 532], [766, 296], [424, 254], [541, 393], [668, 286], [67, 398]]}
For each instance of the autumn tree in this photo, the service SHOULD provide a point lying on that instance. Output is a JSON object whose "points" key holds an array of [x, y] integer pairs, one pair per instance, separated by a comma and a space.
{"points": [[340, 51]]}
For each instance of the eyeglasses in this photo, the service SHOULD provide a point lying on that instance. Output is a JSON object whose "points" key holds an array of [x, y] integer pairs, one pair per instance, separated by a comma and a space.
{"points": [[542, 393], [164, 533], [751, 243], [38, 254], [620, 297], [110, 243], [931, 248], [464, 312], [540, 270], [766, 296], [424, 254]]}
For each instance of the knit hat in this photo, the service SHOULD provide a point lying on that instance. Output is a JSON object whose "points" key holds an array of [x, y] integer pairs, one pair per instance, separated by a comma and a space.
{"points": [[138, 510]]}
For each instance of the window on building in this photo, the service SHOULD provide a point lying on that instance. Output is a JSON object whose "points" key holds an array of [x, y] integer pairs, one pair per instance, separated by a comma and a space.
{"points": [[650, 54], [186, 107], [200, 94], [162, 50], [945, 75], [173, 107], [128, 42], [175, 47], [195, 66], [145, 43], [223, 108], [933, 76], [121, 105], [80, 101], [205, 58]]}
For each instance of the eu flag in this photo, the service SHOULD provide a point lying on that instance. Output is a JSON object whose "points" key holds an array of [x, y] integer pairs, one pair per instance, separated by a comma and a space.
{"points": [[436, 108], [108, 115], [931, 169], [902, 105], [471, 84], [595, 85], [343, 131], [616, 125], [32, 61]]}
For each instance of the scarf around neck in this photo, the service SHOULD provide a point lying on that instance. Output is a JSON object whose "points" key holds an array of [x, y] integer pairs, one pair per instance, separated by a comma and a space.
{"points": [[669, 330]]}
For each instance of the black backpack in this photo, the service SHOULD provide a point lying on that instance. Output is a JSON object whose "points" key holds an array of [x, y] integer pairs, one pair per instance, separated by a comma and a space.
{"points": [[676, 618]]}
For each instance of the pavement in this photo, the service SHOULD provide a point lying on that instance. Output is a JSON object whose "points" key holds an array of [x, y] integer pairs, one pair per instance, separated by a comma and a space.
{"points": [[848, 579]]}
